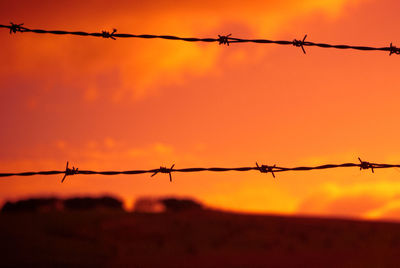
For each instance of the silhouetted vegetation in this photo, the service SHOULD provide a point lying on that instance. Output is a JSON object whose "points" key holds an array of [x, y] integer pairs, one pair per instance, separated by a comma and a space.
{"points": [[154, 205], [87, 203], [176, 205], [148, 205], [33, 205], [55, 204]]}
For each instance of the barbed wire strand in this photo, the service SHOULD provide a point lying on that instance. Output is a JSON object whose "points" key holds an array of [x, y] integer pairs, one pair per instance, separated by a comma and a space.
{"points": [[222, 39], [363, 165]]}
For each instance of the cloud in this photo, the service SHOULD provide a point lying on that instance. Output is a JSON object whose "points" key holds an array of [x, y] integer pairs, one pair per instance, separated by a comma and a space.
{"points": [[368, 200], [253, 199]]}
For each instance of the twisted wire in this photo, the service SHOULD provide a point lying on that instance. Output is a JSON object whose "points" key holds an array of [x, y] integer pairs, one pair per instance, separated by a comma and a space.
{"points": [[362, 165], [222, 39]]}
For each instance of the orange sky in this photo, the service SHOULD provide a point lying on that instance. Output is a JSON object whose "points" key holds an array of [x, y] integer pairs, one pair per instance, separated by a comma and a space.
{"points": [[138, 104]]}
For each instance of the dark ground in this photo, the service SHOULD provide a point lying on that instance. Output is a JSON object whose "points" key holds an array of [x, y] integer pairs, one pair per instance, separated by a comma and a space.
{"points": [[193, 239]]}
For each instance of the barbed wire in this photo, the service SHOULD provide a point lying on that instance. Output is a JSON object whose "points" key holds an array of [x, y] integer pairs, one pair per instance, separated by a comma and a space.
{"points": [[363, 165], [222, 39]]}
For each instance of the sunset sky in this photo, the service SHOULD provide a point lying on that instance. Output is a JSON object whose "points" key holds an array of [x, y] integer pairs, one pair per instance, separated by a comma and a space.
{"points": [[140, 104]]}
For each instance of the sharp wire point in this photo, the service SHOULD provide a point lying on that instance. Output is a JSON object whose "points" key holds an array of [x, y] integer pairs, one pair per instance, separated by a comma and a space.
{"points": [[366, 165], [224, 39], [14, 28], [69, 172], [107, 34], [165, 170], [266, 169], [300, 43], [393, 50]]}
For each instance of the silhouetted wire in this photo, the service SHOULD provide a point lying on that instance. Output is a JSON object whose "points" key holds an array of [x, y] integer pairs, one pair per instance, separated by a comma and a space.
{"points": [[222, 39], [261, 168]]}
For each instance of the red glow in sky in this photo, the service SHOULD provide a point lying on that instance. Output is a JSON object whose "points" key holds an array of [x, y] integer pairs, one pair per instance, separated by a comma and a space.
{"points": [[139, 104]]}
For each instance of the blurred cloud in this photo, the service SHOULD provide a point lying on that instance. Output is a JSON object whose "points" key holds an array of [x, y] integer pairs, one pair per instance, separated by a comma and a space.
{"points": [[368, 200], [254, 196]]}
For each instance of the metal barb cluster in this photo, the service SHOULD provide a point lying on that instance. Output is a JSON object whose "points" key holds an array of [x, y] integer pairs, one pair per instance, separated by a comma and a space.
{"points": [[300, 43], [366, 165], [69, 172], [266, 169], [14, 28], [394, 50], [165, 170], [224, 39], [106, 34]]}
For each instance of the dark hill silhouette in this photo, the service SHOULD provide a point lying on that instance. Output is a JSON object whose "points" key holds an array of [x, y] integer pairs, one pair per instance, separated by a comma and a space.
{"points": [[193, 238]]}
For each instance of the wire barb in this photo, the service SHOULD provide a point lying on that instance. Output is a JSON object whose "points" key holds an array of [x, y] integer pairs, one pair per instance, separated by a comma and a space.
{"points": [[107, 34], [300, 43], [14, 28], [366, 165], [394, 50], [266, 169], [165, 170], [69, 172], [224, 39]]}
